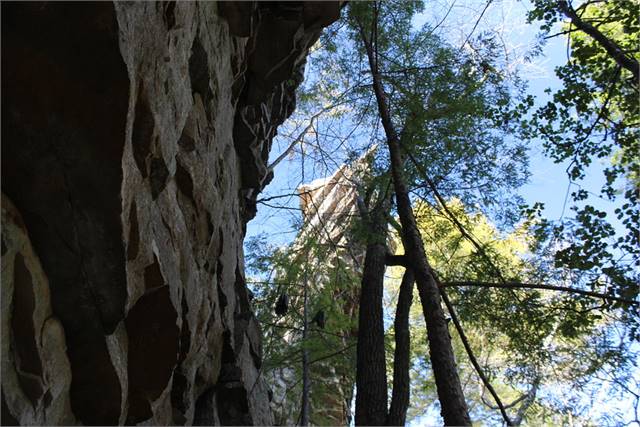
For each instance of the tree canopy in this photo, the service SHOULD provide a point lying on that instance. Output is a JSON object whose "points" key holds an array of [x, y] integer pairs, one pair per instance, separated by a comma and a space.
{"points": [[526, 318], [593, 116]]}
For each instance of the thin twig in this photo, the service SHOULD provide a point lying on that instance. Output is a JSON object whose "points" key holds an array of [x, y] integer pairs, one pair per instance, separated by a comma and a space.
{"points": [[472, 357], [477, 22]]}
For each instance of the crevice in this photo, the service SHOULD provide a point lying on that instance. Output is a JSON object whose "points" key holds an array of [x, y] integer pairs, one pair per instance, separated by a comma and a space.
{"points": [[220, 242], [134, 234], [205, 410], [240, 17], [142, 133], [29, 364], [170, 14], [184, 182], [153, 275], [210, 227], [186, 142], [231, 396], [158, 176], [154, 341], [199, 74], [180, 384], [222, 297]]}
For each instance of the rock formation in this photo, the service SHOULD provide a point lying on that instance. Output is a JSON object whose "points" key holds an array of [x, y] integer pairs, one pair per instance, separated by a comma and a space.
{"points": [[134, 143], [329, 207]]}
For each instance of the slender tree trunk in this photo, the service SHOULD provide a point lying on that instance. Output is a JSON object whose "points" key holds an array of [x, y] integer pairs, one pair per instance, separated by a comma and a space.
{"points": [[453, 406], [400, 395], [371, 371], [306, 385], [531, 397], [612, 48]]}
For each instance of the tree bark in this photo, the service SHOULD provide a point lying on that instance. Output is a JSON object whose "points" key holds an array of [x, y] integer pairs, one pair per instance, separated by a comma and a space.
{"points": [[453, 406], [306, 385], [609, 45], [400, 395], [371, 369]]}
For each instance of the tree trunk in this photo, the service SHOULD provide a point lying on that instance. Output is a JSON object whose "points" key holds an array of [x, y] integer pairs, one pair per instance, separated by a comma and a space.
{"points": [[531, 397], [453, 407], [371, 371], [400, 395], [306, 385]]}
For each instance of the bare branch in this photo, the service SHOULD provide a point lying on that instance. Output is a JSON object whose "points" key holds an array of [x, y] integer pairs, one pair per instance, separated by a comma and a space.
{"points": [[517, 285], [452, 217], [477, 22], [561, 33], [295, 142]]}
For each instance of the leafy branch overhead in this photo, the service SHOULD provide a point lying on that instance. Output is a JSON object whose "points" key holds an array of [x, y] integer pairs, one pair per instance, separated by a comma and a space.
{"points": [[594, 117]]}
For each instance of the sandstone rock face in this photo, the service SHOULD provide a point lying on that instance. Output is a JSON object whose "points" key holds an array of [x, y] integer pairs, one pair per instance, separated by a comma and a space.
{"points": [[134, 143]]}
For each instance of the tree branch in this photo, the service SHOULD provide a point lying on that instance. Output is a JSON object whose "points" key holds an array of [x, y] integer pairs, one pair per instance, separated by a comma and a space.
{"points": [[296, 141], [486, 6], [561, 33], [330, 355], [452, 217], [472, 357], [517, 285], [391, 260], [609, 45], [280, 196]]}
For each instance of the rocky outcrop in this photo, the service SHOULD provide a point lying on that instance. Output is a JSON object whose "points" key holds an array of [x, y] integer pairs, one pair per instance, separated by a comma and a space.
{"points": [[134, 143], [330, 210]]}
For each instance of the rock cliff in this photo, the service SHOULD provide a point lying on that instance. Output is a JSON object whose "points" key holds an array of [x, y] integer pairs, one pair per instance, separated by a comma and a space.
{"points": [[332, 264], [328, 207], [134, 143]]}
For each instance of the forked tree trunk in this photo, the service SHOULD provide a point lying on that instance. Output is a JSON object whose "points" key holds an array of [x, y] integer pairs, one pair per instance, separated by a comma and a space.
{"points": [[453, 406], [400, 395]]}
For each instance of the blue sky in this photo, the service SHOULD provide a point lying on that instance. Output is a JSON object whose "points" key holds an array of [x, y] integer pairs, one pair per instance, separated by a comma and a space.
{"points": [[548, 183]]}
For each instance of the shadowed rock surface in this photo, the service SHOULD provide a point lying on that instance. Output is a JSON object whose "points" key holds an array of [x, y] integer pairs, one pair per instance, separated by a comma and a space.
{"points": [[134, 144]]}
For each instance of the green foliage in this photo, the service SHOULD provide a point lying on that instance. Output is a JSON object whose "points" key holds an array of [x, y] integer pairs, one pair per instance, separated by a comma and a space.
{"points": [[522, 337], [458, 112], [331, 286], [595, 115], [455, 108]]}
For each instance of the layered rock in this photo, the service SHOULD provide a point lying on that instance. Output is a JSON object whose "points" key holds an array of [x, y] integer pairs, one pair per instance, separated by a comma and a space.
{"points": [[134, 143]]}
